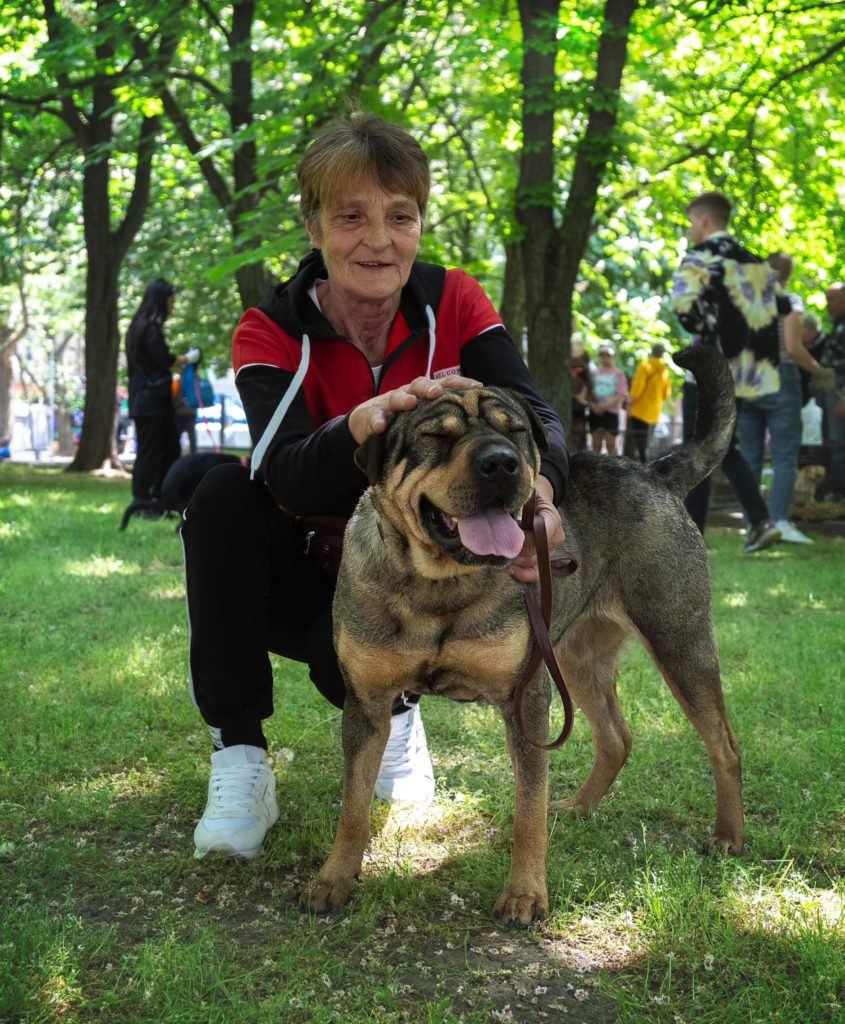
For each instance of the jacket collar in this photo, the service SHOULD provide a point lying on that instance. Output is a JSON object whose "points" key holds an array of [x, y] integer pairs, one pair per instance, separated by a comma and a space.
{"points": [[290, 306]]}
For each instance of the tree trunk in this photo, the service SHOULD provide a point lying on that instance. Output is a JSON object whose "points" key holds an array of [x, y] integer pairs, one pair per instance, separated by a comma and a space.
{"points": [[254, 280], [7, 349], [101, 335], [552, 255], [512, 306], [535, 201]]}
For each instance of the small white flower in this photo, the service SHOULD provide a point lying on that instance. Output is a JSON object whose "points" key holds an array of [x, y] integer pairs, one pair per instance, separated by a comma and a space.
{"points": [[580, 995], [660, 1000], [708, 962], [458, 901], [541, 990]]}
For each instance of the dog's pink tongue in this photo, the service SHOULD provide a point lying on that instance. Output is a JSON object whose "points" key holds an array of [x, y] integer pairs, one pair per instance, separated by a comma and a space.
{"points": [[493, 532]]}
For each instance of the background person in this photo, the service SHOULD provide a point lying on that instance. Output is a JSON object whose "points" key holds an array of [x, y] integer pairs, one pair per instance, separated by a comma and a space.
{"points": [[361, 332], [186, 417], [582, 394], [650, 388], [149, 360], [833, 401], [610, 387], [779, 413], [727, 297]]}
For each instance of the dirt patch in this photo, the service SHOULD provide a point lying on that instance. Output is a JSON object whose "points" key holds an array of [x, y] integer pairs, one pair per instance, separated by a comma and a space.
{"points": [[515, 976]]}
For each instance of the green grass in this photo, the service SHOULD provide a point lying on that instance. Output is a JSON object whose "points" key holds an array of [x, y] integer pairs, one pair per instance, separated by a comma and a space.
{"points": [[105, 916]]}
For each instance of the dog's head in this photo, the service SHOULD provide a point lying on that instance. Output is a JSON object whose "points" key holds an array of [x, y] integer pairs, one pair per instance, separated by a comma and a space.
{"points": [[453, 474]]}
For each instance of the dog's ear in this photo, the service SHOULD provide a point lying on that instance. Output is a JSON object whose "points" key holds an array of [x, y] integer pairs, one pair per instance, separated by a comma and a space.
{"points": [[369, 457], [538, 431]]}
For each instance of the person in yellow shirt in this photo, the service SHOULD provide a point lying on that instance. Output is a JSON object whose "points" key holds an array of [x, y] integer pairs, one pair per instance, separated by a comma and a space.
{"points": [[649, 390]]}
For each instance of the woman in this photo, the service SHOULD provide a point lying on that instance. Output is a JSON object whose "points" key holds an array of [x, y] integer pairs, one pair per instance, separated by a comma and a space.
{"points": [[361, 332], [610, 387], [149, 360], [780, 413]]}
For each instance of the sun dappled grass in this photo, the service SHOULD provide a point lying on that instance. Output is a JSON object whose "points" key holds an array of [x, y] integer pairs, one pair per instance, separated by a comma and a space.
{"points": [[104, 914]]}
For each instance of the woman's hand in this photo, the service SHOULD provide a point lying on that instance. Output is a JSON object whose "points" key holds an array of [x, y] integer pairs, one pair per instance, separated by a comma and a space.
{"points": [[524, 567], [373, 416]]}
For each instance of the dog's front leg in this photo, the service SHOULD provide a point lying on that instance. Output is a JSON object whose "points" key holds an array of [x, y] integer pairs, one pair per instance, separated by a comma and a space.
{"points": [[525, 897], [365, 733]]}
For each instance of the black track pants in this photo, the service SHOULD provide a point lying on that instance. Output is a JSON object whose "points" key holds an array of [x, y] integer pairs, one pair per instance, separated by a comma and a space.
{"points": [[250, 591], [157, 448]]}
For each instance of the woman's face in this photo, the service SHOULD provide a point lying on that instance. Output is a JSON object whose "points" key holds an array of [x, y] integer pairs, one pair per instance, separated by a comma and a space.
{"points": [[369, 239]]}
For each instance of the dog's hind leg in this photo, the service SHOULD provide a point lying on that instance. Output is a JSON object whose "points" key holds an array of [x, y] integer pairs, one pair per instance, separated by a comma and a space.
{"points": [[525, 896], [365, 733], [589, 660], [690, 665]]}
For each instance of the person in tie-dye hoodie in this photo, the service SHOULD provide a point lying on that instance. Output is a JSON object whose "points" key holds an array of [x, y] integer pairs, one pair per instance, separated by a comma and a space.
{"points": [[728, 297]]}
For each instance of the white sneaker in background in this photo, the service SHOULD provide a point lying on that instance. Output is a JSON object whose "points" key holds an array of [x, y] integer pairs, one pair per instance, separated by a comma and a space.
{"points": [[241, 803], [406, 774], [791, 534]]}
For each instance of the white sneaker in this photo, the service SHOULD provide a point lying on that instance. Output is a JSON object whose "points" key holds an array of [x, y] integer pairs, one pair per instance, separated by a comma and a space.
{"points": [[791, 534], [406, 774], [241, 803]]}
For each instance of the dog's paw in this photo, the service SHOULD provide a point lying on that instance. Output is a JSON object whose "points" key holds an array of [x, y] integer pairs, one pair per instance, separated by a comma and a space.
{"points": [[725, 845], [324, 895], [519, 909], [570, 806]]}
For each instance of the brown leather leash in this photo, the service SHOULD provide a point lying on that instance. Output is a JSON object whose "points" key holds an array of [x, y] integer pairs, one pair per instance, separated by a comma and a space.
{"points": [[540, 616]]}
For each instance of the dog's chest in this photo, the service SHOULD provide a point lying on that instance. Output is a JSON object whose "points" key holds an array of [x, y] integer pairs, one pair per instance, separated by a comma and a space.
{"points": [[462, 656]]}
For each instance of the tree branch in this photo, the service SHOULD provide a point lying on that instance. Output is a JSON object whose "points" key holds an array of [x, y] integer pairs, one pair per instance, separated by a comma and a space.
{"points": [[139, 200], [212, 17], [179, 120], [70, 114]]}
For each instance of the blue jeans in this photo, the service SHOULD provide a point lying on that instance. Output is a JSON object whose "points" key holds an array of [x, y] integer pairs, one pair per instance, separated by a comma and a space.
{"points": [[780, 413], [836, 440]]}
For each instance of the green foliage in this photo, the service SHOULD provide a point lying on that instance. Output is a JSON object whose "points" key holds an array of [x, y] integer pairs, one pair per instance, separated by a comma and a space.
{"points": [[738, 96]]}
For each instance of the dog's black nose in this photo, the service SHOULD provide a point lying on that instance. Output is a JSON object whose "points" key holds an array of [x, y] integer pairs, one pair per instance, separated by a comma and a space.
{"points": [[497, 460]]}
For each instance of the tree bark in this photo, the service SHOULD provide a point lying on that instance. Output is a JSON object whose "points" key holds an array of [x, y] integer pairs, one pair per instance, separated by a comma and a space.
{"points": [[105, 248], [7, 350], [535, 202], [512, 306], [552, 254]]}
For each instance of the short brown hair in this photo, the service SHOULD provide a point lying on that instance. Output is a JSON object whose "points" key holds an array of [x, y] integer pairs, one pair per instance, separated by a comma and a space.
{"points": [[717, 205], [782, 264], [366, 146]]}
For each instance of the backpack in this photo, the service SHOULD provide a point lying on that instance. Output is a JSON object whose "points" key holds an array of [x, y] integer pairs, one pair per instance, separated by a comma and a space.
{"points": [[196, 390]]}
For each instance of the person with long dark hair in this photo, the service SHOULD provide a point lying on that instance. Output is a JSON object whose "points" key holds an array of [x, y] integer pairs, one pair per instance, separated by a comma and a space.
{"points": [[149, 359]]}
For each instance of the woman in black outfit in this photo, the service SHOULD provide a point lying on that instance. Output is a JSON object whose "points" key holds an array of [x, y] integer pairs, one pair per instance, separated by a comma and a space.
{"points": [[149, 360]]}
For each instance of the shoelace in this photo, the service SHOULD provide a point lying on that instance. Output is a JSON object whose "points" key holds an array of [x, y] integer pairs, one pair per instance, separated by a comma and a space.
{"points": [[400, 749], [234, 788]]}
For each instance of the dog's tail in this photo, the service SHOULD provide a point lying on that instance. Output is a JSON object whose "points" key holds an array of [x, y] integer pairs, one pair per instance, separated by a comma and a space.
{"points": [[715, 415]]}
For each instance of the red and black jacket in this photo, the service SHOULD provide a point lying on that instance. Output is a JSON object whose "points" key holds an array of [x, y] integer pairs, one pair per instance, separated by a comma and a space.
{"points": [[299, 380]]}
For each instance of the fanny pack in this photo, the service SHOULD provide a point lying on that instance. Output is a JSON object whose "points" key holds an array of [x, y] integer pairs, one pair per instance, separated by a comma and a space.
{"points": [[322, 539]]}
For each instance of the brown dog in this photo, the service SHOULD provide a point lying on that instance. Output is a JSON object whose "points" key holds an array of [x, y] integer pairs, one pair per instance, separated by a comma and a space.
{"points": [[424, 605]]}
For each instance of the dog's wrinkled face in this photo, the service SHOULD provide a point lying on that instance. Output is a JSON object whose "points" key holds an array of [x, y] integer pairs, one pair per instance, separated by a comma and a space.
{"points": [[452, 476]]}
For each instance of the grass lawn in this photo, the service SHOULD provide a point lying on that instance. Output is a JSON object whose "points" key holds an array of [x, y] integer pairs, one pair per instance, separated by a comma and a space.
{"points": [[105, 916]]}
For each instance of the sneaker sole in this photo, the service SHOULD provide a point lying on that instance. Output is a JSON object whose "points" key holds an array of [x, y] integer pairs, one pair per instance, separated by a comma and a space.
{"points": [[226, 851]]}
